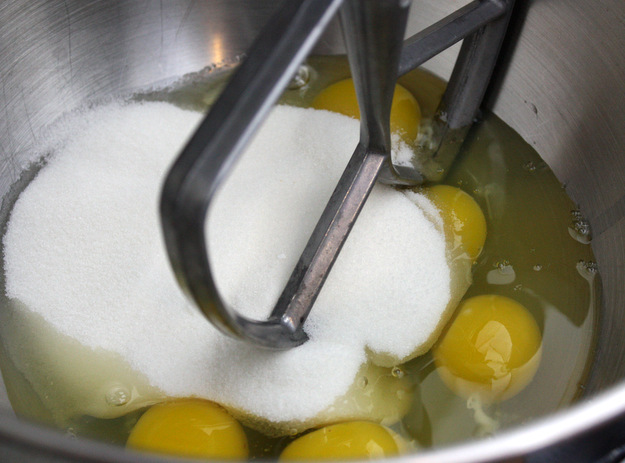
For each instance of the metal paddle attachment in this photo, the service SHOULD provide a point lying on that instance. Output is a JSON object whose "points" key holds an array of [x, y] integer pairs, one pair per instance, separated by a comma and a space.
{"points": [[373, 32]]}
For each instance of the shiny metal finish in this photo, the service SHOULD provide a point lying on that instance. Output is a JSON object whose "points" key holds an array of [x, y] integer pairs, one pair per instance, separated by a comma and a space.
{"points": [[562, 91]]}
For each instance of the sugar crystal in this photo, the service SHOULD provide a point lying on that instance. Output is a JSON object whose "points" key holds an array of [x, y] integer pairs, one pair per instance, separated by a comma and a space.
{"points": [[83, 250]]}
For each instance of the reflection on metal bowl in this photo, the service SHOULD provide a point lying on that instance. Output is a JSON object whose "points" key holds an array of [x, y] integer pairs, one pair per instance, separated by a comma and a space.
{"points": [[560, 88]]}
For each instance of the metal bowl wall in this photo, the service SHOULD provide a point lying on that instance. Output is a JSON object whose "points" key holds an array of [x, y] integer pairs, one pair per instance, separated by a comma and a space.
{"points": [[562, 90]]}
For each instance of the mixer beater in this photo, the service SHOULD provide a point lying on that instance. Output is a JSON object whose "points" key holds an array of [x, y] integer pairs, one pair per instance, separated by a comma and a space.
{"points": [[373, 31]]}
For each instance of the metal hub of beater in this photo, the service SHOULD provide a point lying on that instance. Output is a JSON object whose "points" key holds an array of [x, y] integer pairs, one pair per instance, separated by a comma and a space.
{"points": [[373, 31]]}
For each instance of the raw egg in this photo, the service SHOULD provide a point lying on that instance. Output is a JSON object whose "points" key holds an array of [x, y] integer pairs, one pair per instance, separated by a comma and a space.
{"points": [[491, 349], [356, 439], [340, 97], [190, 428], [462, 217]]}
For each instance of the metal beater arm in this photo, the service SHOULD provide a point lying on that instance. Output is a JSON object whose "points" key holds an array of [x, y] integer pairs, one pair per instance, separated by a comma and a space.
{"points": [[373, 32], [482, 24], [212, 151]]}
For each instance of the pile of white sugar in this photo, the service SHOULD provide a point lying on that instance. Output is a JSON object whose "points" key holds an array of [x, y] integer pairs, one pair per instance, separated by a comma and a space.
{"points": [[84, 250]]}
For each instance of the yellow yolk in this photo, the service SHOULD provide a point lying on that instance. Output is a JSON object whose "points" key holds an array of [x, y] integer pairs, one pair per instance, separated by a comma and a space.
{"points": [[190, 428], [340, 97], [491, 349], [356, 439], [461, 216]]}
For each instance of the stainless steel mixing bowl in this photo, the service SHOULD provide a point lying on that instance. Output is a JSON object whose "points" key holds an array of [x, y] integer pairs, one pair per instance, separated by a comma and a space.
{"points": [[562, 90]]}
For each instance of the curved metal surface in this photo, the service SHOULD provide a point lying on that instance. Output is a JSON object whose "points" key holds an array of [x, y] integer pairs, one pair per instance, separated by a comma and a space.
{"points": [[562, 92]]}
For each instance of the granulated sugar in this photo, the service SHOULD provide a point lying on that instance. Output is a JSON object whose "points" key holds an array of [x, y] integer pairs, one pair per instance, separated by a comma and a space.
{"points": [[83, 249]]}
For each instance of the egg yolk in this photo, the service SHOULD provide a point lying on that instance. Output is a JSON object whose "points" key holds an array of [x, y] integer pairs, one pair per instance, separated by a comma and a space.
{"points": [[491, 349], [340, 97], [356, 439], [462, 217], [190, 428]]}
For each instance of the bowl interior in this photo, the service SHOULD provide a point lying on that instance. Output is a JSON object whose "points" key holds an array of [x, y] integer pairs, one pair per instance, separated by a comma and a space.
{"points": [[560, 87]]}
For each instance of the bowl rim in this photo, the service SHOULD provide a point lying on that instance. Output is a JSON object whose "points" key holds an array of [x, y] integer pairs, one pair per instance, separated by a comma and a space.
{"points": [[576, 422]]}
